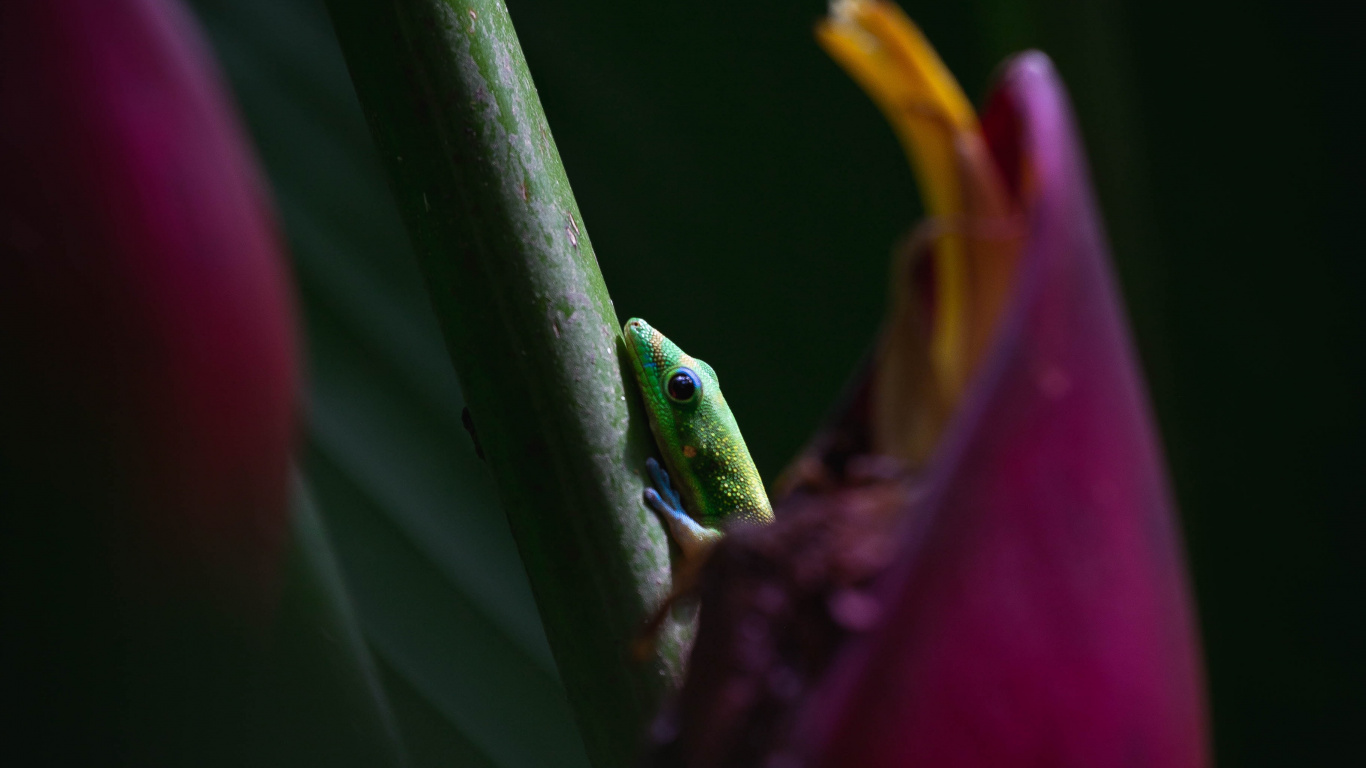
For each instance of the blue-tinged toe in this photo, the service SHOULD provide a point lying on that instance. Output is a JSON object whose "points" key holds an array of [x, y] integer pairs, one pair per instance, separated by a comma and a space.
{"points": [[653, 501], [666, 499]]}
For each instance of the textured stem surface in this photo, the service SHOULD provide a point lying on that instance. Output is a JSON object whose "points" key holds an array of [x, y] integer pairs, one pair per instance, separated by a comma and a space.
{"points": [[532, 333]]}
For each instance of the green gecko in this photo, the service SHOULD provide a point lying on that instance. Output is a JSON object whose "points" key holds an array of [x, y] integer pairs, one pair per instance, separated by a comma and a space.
{"points": [[699, 440]]}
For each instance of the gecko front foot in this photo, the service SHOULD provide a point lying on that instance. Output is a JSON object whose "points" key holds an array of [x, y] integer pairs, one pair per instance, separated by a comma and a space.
{"points": [[693, 538]]}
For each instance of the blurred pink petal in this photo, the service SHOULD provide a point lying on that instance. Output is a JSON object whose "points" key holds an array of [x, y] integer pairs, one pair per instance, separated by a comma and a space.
{"points": [[149, 351], [1038, 613]]}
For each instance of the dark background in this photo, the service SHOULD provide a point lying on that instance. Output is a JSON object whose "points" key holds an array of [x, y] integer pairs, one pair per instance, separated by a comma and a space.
{"points": [[743, 195]]}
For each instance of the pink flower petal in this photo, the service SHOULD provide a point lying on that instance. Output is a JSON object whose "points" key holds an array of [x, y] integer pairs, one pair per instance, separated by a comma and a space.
{"points": [[1038, 613], [149, 350]]}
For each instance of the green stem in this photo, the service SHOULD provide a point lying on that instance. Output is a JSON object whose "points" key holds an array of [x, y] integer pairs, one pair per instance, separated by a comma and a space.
{"points": [[533, 335]]}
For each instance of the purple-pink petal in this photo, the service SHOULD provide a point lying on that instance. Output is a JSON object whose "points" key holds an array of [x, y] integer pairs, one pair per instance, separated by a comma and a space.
{"points": [[149, 367], [1039, 613]]}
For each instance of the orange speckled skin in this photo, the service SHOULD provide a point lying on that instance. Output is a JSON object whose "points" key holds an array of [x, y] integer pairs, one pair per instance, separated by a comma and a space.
{"points": [[698, 439]]}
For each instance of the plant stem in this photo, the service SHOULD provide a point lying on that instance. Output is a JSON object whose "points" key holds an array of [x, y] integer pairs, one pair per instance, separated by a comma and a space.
{"points": [[533, 335]]}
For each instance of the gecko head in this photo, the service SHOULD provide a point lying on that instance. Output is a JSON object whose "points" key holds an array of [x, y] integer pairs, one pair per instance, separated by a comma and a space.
{"points": [[694, 429], [674, 384]]}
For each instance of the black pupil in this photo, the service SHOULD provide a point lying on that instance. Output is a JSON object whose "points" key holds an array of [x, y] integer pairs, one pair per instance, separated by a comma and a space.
{"points": [[682, 386]]}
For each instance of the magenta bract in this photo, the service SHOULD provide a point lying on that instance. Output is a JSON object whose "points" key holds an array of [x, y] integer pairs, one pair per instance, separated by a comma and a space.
{"points": [[1038, 613], [148, 332]]}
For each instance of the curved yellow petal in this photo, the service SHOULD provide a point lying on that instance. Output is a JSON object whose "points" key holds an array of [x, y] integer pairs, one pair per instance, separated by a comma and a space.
{"points": [[886, 54]]}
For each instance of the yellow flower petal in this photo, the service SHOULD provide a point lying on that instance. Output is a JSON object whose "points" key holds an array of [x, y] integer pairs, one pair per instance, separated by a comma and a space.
{"points": [[886, 54]]}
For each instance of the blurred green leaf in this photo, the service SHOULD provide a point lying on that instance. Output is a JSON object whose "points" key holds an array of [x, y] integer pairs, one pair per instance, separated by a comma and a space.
{"points": [[323, 701], [423, 547]]}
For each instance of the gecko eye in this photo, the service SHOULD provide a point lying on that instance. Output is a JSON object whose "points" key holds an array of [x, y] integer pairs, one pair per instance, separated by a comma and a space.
{"points": [[682, 385]]}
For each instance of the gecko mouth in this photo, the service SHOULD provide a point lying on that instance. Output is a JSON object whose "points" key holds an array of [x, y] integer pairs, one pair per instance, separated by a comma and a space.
{"points": [[643, 343]]}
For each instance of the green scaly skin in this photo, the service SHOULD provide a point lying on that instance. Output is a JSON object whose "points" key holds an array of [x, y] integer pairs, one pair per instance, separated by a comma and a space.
{"points": [[699, 440]]}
